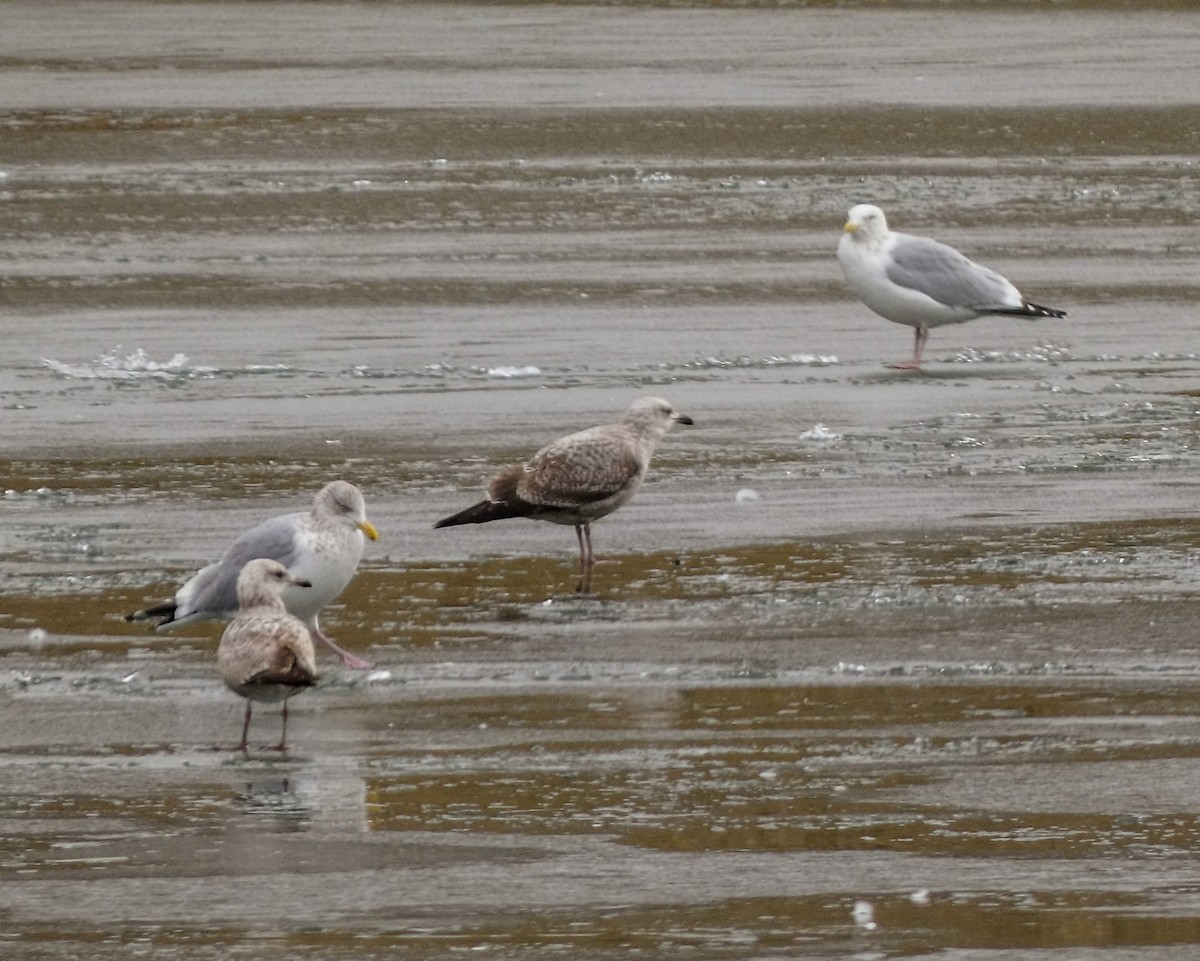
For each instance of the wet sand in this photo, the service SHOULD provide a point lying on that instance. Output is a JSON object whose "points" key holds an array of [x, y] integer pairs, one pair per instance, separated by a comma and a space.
{"points": [[943, 664]]}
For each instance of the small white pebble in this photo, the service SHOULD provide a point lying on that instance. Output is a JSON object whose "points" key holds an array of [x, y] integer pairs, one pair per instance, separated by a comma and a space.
{"points": [[129, 677], [747, 495], [864, 914], [38, 635], [920, 896], [380, 675]]}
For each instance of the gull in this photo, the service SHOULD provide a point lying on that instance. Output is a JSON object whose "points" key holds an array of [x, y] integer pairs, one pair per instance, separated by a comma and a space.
{"points": [[266, 654], [322, 546], [920, 282], [579, 478]]}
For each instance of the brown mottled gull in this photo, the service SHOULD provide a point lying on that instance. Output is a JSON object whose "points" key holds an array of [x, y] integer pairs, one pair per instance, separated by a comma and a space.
{"points": [[322, 546], [920, 282], [578, 478], [266, 654]]}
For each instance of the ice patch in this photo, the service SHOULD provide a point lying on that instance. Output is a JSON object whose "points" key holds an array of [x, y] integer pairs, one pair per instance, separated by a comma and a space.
{"points": [[1048, 353], [513, 373], [115, 365], [804, 360], [774, 360], [820, 434]]}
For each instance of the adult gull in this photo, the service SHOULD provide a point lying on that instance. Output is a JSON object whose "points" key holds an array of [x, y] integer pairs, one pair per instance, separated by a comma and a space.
{"points": [[322, 546], [579, 478], [266, 654], [920, 282]]}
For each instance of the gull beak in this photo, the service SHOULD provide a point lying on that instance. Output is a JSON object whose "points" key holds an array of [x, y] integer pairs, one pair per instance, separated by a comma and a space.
{"points": [[299, 582], [683, 419], [369, 529], [850, 227]]}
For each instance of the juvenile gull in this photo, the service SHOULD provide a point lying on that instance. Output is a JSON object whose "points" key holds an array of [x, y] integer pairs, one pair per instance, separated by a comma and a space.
{"points": [[322, 546], [578, 478], [266, 654], [920, 282]]}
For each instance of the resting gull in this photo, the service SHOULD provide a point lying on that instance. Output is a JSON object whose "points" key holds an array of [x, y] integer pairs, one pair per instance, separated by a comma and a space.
{"points": [[322, 546], [266, 654], [578, 478], [920, 282]]}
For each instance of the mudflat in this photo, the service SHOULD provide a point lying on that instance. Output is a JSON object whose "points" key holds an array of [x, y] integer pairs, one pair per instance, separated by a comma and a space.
{"points": [[878, 663]]}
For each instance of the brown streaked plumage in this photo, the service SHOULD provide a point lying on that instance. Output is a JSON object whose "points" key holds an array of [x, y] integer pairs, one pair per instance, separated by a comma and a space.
{"points": [[578, 478], [322, 546], [266, 654]]}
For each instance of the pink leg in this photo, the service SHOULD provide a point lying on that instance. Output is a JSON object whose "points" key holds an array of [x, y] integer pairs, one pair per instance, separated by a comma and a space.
{"points": [[245, 729], [587, 559], [587, 539], [282, 745], [582, 552], [920, 336], [348, 659]]}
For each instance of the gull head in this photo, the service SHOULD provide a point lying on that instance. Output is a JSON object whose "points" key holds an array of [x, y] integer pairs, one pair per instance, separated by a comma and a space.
{"points": [[653, 414], [261, 581], [866, 222], [344, 502]]}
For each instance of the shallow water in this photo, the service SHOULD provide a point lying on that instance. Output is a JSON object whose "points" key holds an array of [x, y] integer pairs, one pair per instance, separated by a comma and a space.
{"points": [[942, 664]]}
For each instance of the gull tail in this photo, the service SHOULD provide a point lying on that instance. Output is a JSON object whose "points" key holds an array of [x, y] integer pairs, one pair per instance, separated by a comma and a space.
{"points": [[481, 513], [161, 614], [289, 675]]}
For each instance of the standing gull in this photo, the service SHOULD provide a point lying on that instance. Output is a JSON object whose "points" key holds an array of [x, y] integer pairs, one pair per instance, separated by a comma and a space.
{"points": [[266, 654], [322, 546], [578, 478], [920, 282]]}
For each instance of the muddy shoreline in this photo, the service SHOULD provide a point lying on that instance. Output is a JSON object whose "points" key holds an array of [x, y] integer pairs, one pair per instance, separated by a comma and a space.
{"points": [[877, 663]]}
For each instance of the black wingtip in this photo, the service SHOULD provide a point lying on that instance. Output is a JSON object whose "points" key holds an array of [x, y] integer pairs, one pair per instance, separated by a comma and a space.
{"points": [[475, 514], [481, 513], [162, 614], [1029, 310], [1037, 310], [448, 522]]}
